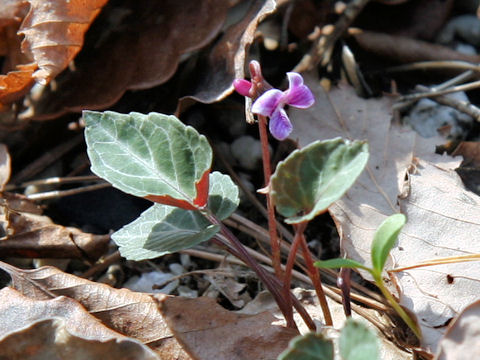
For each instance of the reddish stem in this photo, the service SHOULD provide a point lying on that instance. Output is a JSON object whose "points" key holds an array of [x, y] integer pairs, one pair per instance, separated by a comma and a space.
{"points": [[314, 274], [267, 171], [291, 261]]}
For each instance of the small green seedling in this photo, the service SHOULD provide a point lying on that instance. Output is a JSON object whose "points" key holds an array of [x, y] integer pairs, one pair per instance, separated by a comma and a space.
{"points": [[356, 342], [384, 239]]}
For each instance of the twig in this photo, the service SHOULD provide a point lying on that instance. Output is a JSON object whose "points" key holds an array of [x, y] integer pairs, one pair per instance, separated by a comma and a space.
{"points": [[425, 65], [322, 49], [102, 264], [62, 193], [465, 87], [48, 158], [54, 180]]}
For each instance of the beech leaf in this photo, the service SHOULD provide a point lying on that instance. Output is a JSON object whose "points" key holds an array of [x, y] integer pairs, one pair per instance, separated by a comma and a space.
{"points": [[310, 346], [309, 180], [152, 155], [54, 33], [357, 342]]}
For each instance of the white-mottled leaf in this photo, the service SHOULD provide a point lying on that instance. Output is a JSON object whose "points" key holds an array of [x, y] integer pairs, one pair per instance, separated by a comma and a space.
{"points": [[144, 155], [223, 195], [161, 230], [358, 342]]}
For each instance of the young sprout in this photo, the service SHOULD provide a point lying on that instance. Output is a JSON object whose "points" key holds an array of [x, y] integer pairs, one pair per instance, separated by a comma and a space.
{"points": [[383, 241]]}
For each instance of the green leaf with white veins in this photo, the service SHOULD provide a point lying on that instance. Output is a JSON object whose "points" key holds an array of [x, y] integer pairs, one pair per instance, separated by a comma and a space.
{"points": [[151, 155], [309, 180], [161, 230], [358, 342], [164, 229], [223, 195]]}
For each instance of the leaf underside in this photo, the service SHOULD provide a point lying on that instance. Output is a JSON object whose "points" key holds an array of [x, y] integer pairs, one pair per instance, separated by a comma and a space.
{"points": [[306, 183]]}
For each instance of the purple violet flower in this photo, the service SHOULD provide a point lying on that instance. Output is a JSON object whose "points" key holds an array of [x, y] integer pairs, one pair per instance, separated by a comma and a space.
{"points": [[272, 102]]}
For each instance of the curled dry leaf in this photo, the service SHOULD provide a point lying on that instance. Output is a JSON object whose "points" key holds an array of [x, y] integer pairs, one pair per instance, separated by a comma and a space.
{"points": [[200, 323], [24, 232], [58, 328], [132, 314], [137, 45], [54, 33], [461, 339], [212, 80], [15, 84]]}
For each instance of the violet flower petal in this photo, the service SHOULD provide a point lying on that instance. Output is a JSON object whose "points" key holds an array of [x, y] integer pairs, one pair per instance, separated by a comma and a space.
{"points": [[298, 95], [242, 86], [267, 103], [280, 125]]}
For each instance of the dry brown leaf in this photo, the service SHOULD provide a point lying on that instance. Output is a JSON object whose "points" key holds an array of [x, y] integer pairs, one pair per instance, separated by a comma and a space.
{"points": [[16, 84], [26, 233], [208, 331], [5, 166], [212, 80], [54, 33], [443, 221], [470, 150], [50, 339], [388, 350], [461, 339], [64, 325], [11, 11], [392, 150], [132, 314], [140, 50], [137, 315]]}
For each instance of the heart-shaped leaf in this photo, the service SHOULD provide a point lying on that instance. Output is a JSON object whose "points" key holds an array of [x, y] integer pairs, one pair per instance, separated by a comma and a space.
{"points": [[163, 229], [223, 195], [310, 346], [357, 342], [309, 180], [384, 239], [154, 156]]}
